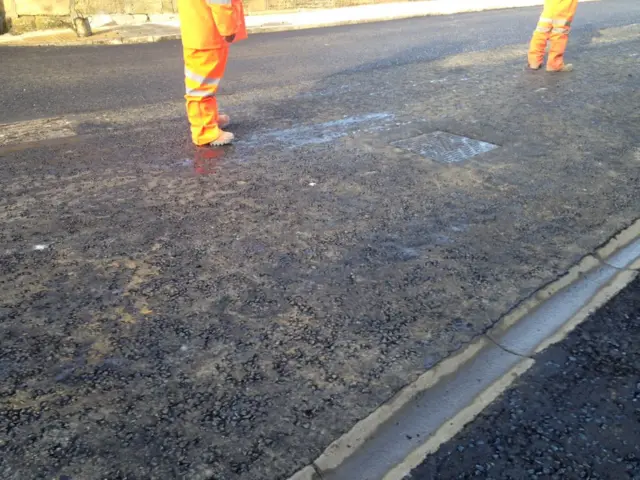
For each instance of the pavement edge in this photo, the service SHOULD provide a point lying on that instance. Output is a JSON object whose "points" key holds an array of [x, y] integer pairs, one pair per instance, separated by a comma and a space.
{"points": [[386, 18], [606, 271], [279, 27]]}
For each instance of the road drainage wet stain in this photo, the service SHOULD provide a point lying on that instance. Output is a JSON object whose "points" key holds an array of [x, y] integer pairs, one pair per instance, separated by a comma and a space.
{"points": [[204, 161], [49, 142], [207, 160]]}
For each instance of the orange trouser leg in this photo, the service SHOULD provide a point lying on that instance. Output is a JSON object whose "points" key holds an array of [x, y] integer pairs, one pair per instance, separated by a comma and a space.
{"points": [[554, 26], [559, 39], [538, 44], [203, 71]]}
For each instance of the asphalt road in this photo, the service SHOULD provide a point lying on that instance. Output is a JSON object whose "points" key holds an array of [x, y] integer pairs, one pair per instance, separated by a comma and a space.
{"points": [[55, 81], [172, 312], [574, 415]]}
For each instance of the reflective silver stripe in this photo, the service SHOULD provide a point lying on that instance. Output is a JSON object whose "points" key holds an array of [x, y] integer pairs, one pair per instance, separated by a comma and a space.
{"points": [[543, 29], [219, 2], [545, 20], [194, 92], [200, 79], [560, 30], [561, 22]]}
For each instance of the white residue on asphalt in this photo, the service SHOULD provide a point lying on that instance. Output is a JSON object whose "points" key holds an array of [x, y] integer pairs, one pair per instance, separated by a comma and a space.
{"points": [[40, 247], [312, 134]]}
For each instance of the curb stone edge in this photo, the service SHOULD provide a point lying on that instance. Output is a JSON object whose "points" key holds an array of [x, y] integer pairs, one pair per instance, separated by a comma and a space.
{"points": [[281, 27], [625, 241]]}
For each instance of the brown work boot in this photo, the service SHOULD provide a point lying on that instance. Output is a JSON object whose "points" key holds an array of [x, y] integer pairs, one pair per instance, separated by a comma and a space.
{"points": [[224, 120], [225, 138], [565, 68], [529, 68]]}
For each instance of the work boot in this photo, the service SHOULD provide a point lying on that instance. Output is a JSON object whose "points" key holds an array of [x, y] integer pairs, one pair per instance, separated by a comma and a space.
{"points": [[529, 68], [225, 138], [565, 68], [224, 120]]}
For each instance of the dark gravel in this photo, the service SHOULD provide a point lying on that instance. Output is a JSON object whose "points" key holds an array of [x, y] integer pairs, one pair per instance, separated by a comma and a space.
{"points": [[229, 313], [574, 415]]}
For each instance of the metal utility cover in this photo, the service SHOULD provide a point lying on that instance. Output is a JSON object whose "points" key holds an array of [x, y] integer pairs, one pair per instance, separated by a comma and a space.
{"points": [[444, 147]]}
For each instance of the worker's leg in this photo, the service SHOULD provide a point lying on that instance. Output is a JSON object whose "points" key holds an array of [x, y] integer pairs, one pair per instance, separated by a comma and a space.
{"points": [[539, 40], [204, 70], [559, 39], [562, 17]]}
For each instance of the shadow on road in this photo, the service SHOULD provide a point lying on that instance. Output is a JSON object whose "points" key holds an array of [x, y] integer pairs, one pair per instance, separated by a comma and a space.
{"points": [[233, 325]]}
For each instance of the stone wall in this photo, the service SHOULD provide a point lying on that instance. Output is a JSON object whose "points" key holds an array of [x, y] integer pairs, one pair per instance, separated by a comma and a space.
{"points": [[25, 15], [91, 7], [311, 4], [42, 7]]}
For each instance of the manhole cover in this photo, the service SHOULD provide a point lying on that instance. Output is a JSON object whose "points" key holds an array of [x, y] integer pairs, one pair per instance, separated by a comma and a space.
{"points": [[444, 147]]}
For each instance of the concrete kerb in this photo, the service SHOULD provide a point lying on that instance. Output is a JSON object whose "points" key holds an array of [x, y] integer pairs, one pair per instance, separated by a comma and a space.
{"points": [[307, 473], [308, 19], [142, 39], [543, 319], [112, 41], [621, 251]]}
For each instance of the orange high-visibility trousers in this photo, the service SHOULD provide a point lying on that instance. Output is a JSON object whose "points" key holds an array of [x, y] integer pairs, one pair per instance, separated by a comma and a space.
{"points": [[203, 71], [553, 27], [204, 24]]}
